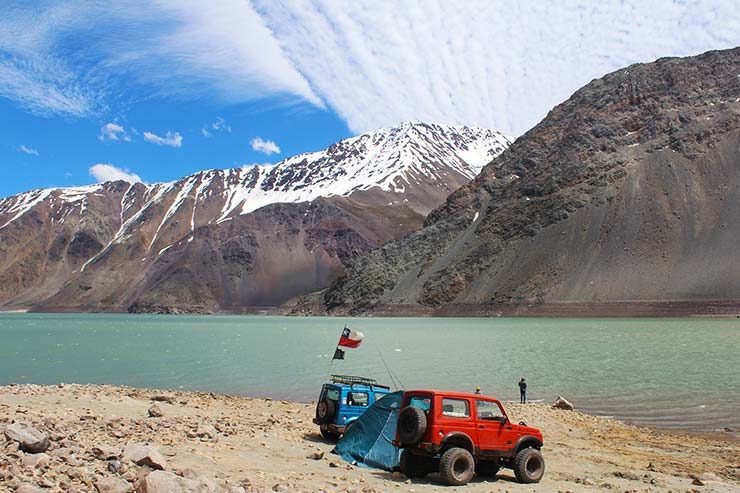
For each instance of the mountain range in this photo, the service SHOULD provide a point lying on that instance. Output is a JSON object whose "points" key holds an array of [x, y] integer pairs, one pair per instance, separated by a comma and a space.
{"points": [[235, 239], [623, 200]]}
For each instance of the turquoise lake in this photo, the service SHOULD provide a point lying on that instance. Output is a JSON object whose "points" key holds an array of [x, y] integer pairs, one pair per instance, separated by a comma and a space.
{"points": [[673, 373]]}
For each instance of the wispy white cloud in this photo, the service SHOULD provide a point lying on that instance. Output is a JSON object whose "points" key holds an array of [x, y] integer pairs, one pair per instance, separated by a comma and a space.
{"points": [[499, 64], [113, 131], [264, 146], [171, 139], [32, 72], [169, 48], [28, 150], [107, 172], [502, 64], [219, 125]]}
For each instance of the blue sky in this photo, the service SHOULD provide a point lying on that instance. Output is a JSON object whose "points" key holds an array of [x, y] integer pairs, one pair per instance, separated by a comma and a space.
{"points": [[164, 88]]}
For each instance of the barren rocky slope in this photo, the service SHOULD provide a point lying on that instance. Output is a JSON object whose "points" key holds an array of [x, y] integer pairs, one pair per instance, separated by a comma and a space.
{"points": [[115, 440], [231, 239], [627, 191]]}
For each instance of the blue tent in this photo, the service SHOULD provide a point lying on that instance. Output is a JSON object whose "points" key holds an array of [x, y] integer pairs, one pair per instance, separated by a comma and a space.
{"points": [[368, 441]]}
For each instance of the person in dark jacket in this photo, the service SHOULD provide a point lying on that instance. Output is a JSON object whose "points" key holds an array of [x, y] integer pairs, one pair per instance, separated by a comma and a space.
{"points": [[522, 391]]}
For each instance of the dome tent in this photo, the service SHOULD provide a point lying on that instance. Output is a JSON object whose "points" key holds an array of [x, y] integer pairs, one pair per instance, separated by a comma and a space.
{"points": [[368, 442]]}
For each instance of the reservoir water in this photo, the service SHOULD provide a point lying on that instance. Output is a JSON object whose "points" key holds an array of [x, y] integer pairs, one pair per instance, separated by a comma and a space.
{"points": [[672, 373]]}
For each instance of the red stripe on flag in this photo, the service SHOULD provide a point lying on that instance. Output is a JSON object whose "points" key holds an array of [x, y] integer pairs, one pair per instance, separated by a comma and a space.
{"points": [[350, 343]]}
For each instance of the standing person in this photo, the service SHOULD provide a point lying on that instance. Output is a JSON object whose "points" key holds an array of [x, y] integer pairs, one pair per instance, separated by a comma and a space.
{"points": [[477, 390], [522, 391]]}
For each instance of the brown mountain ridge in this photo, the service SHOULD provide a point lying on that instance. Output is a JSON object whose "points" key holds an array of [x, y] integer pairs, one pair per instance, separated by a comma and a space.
{"points": [[623, 200], [231, 240]]}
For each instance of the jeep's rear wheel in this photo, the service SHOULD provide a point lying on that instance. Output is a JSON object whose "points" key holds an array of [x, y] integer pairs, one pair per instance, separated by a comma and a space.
{"points": [[325, 410], [529, 466], [486, 468], [412, 423], [329, 435], [456, 467], [415, 466]]}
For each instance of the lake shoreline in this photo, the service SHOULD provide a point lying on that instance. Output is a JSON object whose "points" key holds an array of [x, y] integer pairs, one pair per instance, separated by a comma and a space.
{"points": [[565, 309], [253, 445]]}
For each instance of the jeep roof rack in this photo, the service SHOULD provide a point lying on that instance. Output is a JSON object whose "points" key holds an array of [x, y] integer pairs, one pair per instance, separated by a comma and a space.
{"points": [[352, 380]]}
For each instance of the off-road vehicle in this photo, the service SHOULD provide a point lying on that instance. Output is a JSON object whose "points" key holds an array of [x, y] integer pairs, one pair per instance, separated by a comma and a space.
{"points": [[343, 400], [460, 434]]}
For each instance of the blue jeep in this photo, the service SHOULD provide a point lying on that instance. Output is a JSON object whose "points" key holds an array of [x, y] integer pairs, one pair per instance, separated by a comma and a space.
{"points": [[343, 401]]}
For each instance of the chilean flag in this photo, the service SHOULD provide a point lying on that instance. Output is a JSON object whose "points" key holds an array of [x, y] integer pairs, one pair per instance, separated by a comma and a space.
{"points": [[351, 338]]}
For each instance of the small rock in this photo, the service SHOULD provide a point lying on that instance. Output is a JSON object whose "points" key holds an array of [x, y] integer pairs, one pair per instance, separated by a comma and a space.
{"points": [[104, 452], [163, 398], [697, 482], [316, 456], [155, 412], [207, 431], [166, 482], [29, 488], [708, 476], [29, 438], [114, 466], [36, 461], [333, 464], [113, 485], [144, 455], [562, 403], [627, 475]]}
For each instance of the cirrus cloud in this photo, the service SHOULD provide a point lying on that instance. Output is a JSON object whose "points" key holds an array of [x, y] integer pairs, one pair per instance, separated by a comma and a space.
{"points": [[28, 150]]}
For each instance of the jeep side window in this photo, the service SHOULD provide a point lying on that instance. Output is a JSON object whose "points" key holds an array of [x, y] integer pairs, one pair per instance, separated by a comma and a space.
{"points": [[423, 403], [357, 398], [332, 395], [456, 408], [489, 411]]}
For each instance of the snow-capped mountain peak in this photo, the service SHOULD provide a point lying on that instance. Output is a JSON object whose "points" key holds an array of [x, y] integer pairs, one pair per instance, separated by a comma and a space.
{"points": [[390, 159], [393, 160]]}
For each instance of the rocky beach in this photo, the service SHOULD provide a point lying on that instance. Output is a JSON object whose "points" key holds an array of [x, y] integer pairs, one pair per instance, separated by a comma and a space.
{"points": [[104, 439]]}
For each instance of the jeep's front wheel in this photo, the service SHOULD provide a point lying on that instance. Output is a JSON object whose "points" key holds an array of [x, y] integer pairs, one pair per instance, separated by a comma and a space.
{"points": [[329, 435], [414, 466], [456, 467], [529, 466]]}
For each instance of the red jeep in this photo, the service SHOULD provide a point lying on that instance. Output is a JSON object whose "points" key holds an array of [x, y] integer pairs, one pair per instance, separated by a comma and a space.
{"points": [[460, 434]]}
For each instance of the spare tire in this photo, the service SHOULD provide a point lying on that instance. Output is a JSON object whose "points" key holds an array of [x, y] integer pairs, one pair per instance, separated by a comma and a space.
{"points": [[412, 423], [325, 410]]}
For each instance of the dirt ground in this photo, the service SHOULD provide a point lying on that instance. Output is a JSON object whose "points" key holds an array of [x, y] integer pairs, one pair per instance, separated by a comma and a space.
{"points": [[236, 444]]}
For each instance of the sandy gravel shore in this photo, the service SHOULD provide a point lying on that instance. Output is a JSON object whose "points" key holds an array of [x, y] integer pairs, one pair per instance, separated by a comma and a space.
{"points": [[214, 443]]}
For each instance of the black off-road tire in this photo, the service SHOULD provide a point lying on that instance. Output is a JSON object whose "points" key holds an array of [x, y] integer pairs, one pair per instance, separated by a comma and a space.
{"points": [[456, 467], [486, 468], [325, 410], [529, 466], [414, 466], [412, 423], [332, 436]]}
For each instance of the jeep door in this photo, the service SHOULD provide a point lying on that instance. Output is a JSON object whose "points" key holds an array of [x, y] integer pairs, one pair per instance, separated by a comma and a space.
{"points": [[495, 432], [454, 415]]}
